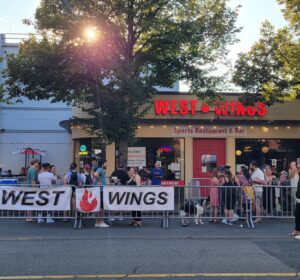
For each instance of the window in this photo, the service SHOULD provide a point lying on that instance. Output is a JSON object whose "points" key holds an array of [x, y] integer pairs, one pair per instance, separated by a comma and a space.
{"points": [[274, 152], [86, 148], [208, 163], [169, 152]]}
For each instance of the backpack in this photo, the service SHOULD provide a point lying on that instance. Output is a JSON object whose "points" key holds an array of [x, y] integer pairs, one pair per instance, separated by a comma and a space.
{"points": [[88, 179], [73, 178]]}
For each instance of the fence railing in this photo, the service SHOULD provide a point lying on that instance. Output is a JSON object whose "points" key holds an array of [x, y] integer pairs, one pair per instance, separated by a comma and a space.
{"points": [[227, 204]]}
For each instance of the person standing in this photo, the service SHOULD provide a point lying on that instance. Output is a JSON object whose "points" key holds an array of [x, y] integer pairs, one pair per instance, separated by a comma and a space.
{"points": [[100, 179], [229, 197], [157, 174], [258, 179], [135, 180], [32, 181], [72, 178], [46, 179], [121, 174], [269, 191], [86, 177], [294, 177], [94, 164], [296, 231], [214, 195]]}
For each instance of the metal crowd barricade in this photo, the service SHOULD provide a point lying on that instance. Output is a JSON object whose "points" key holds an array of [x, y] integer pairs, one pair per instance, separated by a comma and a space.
{"points": [[194, 203], [197, 187]]}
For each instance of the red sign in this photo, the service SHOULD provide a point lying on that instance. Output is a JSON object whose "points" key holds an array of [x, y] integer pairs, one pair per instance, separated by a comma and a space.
{"points": [[221, 108], [173, 183]]}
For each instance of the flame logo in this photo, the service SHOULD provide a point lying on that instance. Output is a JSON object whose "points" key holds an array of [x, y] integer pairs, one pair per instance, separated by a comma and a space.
{"points": [[85, 205]]}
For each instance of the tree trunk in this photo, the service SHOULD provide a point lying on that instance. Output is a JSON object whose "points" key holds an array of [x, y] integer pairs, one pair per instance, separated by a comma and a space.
{"points": [[123, 152]]}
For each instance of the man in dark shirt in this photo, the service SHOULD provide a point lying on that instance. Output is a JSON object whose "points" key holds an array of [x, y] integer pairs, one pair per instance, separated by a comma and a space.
{"points": [[121, 174]]}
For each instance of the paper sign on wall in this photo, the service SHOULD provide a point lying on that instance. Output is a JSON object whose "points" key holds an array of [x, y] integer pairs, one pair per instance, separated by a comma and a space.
{"points": [[136, 157]]}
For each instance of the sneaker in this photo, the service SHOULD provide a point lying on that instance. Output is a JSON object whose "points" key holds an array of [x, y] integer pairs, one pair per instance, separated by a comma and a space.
{"points": [[112, 220], [50, 221], [120, 219], [40, 220], [224, 221], [103, 225], [230, 224]]}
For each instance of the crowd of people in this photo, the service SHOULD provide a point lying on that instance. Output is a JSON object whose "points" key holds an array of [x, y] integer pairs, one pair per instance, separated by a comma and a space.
{"points": [[266, 195], [93, 173]]}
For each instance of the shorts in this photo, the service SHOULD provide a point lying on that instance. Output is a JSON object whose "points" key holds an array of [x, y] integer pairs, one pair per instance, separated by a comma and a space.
{"points": [[258, 197]]}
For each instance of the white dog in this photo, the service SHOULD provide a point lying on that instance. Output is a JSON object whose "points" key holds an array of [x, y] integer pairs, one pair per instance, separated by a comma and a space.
{"points": [[190, 209]]}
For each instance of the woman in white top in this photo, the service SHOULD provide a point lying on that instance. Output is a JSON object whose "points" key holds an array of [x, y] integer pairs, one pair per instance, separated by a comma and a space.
{"points": [[135, 180], [294, 177]]}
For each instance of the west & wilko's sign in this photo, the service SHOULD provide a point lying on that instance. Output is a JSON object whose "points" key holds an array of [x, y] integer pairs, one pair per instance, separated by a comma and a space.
{"points": [[221, 108]]}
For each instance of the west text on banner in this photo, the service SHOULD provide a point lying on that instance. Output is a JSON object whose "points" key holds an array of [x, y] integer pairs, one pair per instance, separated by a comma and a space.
{"points": [[88, 200], [35, 199], [139, 198]]}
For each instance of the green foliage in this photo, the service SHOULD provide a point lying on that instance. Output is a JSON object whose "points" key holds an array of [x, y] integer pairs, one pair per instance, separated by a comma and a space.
{"points": [[141, 44], [291, 12], [270, 71]]}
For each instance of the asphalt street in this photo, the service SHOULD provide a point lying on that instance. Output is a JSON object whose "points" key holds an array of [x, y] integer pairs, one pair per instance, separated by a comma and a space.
{"points": [[209, 251]]}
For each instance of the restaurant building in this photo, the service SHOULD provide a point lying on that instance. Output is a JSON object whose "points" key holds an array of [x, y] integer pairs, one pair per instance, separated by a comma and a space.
{"points": [[189, 137]]}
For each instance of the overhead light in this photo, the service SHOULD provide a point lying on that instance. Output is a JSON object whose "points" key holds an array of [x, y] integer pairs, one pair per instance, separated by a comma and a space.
{"points": [[238, 152]]}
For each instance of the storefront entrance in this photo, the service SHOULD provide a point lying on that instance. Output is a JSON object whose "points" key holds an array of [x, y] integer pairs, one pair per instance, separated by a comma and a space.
{"points": [[208, 154]]}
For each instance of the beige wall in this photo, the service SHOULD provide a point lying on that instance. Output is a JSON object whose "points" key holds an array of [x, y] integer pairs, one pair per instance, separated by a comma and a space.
{"points": [[287, 111], [281, 132]]}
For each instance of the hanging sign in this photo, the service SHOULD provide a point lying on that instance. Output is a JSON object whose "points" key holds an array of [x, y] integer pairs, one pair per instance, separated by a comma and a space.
{"points": [[138, 198], [88, 200], [220, 108], [31, 199], [208, 131]]}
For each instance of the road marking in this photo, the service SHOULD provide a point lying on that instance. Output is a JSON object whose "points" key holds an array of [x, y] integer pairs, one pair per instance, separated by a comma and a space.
{"points": [[162, 237], [158, 275]]}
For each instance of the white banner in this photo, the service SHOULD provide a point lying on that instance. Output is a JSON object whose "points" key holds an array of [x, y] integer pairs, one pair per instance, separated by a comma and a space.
{"points": [[88, 200], [138, 198], [25, 198]]}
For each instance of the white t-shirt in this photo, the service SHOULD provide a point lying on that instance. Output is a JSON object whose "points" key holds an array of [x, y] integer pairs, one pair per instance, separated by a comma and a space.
{"points": [[257, 175], [45, 179]]}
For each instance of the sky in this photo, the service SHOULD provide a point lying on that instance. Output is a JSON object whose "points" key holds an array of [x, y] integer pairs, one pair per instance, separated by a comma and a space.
{"points": [[252, 14]]}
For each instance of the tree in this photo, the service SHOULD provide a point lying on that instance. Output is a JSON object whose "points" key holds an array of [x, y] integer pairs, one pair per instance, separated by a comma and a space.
{"points": [[139, 45], [291, 12], [270, 71]]}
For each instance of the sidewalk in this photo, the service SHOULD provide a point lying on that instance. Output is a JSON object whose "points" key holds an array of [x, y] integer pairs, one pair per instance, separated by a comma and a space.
{"points": [[272, 228]]}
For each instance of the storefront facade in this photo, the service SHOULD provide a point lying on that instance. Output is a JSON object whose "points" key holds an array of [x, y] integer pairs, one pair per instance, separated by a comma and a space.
{"points": [[189, 137]]}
